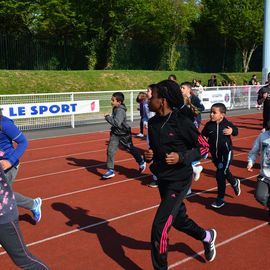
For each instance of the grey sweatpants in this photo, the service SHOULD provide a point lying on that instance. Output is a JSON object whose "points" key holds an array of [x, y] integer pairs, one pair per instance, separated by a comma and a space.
{"points": [[126, 142], [21, 200]]}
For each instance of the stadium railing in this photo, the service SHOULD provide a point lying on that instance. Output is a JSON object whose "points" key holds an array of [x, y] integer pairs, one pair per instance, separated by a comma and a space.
{"points": [[241, 97]]}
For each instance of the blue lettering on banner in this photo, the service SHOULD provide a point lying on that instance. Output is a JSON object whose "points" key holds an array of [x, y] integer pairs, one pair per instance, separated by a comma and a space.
{"points": [[34, 110], [63, 108], [73, 107], [20, 111], [43, 109], [54, 109]]}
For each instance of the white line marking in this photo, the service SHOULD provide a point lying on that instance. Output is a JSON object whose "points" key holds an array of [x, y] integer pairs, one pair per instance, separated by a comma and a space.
{"points": [[71, 154], [134, 213], [70, 170], [93, 166], [219, 244]]}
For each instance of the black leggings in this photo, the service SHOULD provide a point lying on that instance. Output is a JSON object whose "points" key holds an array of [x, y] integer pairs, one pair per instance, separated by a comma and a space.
{"points": [[171, 212]]}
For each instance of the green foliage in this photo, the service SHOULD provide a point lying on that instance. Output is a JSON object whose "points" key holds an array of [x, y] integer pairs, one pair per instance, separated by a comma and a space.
{"points": [[238, 20], [151, 31]]}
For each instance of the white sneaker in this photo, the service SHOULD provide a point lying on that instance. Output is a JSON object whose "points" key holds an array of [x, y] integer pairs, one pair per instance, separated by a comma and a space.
{"points": [[140, 135], [197, 172], [189, 192]]}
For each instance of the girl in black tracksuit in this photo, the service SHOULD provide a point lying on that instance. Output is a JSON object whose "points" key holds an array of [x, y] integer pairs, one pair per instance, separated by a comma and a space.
{"points": [[173, 141], [218, 131]]}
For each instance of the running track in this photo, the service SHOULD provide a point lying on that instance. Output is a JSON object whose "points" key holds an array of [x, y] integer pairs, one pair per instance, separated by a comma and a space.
{"points": [[89, 223]]}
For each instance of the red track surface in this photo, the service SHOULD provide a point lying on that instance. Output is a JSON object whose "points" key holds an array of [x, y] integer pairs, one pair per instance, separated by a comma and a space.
{"points": [[89, 223]]}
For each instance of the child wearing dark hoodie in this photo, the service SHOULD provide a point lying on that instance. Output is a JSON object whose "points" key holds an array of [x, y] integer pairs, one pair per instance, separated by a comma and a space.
{"points": [[120, 133]]}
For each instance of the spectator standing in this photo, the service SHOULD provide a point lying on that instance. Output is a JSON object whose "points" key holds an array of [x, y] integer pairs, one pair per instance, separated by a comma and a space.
{"points": [[212, 81], [264, 99], [140, 100], [253, 80], [172, 77]]}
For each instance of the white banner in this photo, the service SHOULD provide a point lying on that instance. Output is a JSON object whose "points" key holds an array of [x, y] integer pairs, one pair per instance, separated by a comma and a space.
{"points": [[29, 110], [208, 98]]}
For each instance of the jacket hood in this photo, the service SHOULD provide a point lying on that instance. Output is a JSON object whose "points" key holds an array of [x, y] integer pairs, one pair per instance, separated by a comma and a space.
{"points": [[123, 107]]}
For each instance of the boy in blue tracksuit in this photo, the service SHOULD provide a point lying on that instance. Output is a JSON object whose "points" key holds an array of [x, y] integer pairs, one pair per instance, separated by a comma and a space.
{"points": [[9, 160], [218, 131], [120, 134]]}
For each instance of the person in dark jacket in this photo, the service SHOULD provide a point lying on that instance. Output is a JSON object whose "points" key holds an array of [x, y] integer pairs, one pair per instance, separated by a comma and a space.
{"points": [[120, 133], [218, 131], [173, 141], [264, 99], [11, 238]]}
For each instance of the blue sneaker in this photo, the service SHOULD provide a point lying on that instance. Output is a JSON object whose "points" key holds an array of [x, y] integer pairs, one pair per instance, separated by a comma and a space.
{"points": [[142, 166], [108, 174], [37, 209]]}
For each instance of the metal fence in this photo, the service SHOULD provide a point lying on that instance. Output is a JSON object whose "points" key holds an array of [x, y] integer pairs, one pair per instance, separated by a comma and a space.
{"points": [[241, 97]]}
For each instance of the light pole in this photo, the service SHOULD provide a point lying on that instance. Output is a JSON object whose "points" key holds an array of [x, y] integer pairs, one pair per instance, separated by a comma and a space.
{"points": [[266, 42]]}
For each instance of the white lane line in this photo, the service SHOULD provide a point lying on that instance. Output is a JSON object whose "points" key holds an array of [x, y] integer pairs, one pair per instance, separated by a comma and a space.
{"points": [[121, 217], [69, 135], [71, 170], [219, 244], [65, 144], [94, 151], [71, 154], [93, 188], [93, 166], [87, 227]]}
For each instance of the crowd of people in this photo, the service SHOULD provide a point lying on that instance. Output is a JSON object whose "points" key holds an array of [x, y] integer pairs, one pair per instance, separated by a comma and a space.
{"points": [[171, 117], [170, 121]]}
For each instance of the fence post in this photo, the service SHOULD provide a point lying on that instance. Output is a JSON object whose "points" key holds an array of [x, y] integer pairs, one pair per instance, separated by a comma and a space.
{"points": [[73, 115], [249, 97], [131, 106]]}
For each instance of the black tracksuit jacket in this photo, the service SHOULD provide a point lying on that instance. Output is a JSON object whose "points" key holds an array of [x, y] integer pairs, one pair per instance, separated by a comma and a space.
{"points": [[173, 133], [266, 104], [218, 142]]}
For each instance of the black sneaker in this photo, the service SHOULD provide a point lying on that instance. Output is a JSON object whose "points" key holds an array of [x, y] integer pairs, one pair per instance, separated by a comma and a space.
{"points": [[153, 184], [209, 247], [236, 187], [218, 203]]}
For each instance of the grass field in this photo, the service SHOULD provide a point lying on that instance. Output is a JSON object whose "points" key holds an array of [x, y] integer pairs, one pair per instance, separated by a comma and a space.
{"points": [[24, 82]]}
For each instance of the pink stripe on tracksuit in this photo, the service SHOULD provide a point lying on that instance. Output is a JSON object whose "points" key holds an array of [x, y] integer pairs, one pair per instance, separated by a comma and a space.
{"points": [[164, 236]]}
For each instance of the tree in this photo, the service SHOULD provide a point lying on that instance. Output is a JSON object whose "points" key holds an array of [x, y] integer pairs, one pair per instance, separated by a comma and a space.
{"points": [[166, 23], [238, 20]]}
